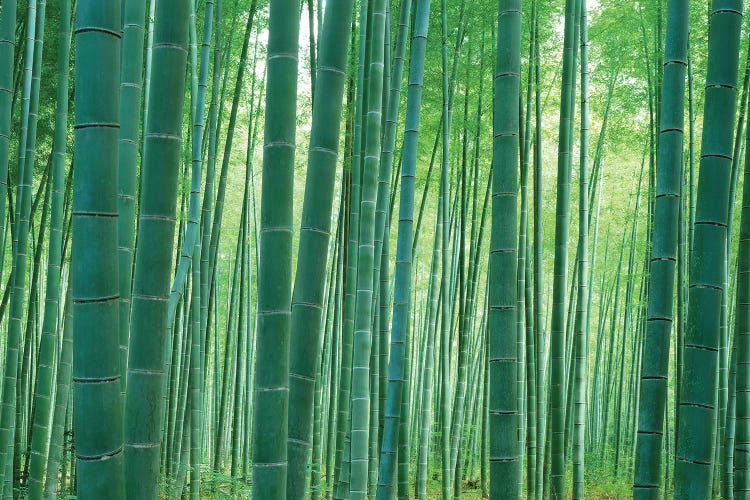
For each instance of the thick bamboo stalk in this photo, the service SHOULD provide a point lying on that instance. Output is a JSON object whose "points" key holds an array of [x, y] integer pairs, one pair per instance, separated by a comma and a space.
{"points": [[271, 398], [504, 446], [695, 449], [663, 258], [307, 299], [96, 364], [154, 255]]}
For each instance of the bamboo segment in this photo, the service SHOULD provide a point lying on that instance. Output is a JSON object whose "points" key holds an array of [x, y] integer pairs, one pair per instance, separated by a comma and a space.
{"points": [[154, 256], [271, 398], [504, 446], [307, 298], [360, 409], [654, 371], [403, 272], [7, 52], [97, 395], [698, 395], [562, 229], [131, 78]]}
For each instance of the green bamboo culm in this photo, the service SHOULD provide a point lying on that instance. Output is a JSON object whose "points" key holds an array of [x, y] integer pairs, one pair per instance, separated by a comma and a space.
{"points": [[696, 429], [445, 266], [538, 300], [49, 342], [13, 346], [362, 340], [8, 15], [391, 98], [392, 83], [195, 382], [504, 445], [580, 335], [207, 205], [97, 399], [426, 417], [309, 285], [742, 344], [524, 249], [191, 249], [154, 256], [191, 242], [62, 399], [562, 231], [28, 157], [404, 256], [191, 237], [655, 367], [131, 84], [343, 438], [271, 392]]}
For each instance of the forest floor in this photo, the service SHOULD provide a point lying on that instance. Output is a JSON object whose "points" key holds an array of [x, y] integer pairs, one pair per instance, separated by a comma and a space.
{"points": [[599, 485]]}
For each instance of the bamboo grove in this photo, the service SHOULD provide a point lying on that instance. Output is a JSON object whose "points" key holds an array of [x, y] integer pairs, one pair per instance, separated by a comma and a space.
{"points": [[375, 249]]}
